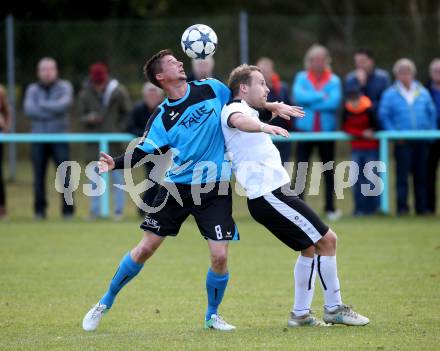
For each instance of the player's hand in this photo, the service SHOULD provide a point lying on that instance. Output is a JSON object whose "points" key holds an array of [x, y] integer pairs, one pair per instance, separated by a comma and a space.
{"points": [[274, 130], [105, 163], [286, 111]]}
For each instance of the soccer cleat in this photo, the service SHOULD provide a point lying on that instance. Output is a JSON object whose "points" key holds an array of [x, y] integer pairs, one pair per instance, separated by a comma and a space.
{"points": [[306, 320], [93, 317], [344, 315], [218, 323]]}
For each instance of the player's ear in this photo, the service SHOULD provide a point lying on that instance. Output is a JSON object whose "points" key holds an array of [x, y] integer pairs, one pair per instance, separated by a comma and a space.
{"points": [[159, 77], [243, 88]]}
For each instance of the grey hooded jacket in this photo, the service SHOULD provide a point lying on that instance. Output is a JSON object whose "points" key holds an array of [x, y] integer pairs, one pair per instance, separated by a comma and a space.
{"points": [[48, 106]]}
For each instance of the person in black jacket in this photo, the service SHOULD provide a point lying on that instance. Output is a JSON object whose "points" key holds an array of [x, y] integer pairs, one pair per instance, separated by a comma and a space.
{"points": [[152, 96]]}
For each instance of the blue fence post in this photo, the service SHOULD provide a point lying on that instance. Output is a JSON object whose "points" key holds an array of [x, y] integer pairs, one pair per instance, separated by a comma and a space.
{"points": [[105, 198], [383, 156]]}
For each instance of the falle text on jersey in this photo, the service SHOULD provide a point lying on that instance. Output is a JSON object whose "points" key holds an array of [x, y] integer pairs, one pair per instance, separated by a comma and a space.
{"points": [[197, 117]]}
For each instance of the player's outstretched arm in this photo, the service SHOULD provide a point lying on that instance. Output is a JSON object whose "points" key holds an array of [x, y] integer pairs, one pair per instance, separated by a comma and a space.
{"points": [[250, 125], [284, 111], [105, 163]]}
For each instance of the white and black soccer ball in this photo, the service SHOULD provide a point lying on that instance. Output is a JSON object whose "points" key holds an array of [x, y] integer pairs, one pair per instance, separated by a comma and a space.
{"points": [[199, 41]]}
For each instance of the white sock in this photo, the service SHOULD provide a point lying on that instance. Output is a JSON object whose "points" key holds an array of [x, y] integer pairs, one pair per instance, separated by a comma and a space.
{"points": [[328, 274], [304, 275]]}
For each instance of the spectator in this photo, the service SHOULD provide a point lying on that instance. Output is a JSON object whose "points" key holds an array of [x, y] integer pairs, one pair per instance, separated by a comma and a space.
{"points": [[104, 105], [318, 90], [5, 124], [359, 120], [202, 69], [407, 105], [47, 103], [371, 80], [434, 150], [278, 92], [152, 96]]}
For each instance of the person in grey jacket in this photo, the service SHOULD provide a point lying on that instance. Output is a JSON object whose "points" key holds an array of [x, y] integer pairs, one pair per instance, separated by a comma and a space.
{"points": [[47, 103]]}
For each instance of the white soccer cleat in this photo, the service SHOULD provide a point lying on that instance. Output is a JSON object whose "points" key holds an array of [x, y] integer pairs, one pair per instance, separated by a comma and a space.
{"points": [[307, 320], [93, 317], [344, 315], [218, 323]]}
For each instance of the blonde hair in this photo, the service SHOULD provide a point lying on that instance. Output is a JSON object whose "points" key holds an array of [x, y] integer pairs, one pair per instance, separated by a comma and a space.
{"points": [[241, 75], [402, 63], [47, 59], [434, 63], [317, 49], [264, 59]]}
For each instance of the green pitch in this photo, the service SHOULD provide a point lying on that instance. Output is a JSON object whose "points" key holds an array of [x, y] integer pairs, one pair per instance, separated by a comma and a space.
{"points": [[51, 273]]}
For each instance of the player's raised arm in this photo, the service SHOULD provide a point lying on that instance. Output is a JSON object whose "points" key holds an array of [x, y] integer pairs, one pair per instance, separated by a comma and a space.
{"points": [[247, 124], [284, 111]]}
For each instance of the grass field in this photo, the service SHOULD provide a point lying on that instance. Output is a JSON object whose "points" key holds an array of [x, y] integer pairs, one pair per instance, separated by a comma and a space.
{"points": [[52, 272]]}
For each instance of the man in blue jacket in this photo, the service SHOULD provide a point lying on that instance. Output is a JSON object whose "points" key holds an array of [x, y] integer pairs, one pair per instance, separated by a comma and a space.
{"points": [[318, 91], [407, 105]]}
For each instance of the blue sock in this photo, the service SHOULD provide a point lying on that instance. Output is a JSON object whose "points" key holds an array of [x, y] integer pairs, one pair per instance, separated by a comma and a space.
{"points": [[127, 270], [215, 288]]}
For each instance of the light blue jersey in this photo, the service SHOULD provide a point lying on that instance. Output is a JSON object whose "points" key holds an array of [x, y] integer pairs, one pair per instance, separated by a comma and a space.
{"points": [[191, 127]]}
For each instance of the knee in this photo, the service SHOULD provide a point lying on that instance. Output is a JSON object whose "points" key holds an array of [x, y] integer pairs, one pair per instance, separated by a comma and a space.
{"points": [[219, 260], [331, 239], [143, 251], [327, 245]]}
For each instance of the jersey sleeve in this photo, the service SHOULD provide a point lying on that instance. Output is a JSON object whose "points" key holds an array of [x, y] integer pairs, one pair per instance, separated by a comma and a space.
{"points": [[155, 137], [229, 110]]}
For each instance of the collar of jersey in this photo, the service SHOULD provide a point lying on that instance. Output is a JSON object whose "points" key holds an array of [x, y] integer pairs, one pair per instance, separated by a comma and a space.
{"points": [[174, 103], [246, 104]]}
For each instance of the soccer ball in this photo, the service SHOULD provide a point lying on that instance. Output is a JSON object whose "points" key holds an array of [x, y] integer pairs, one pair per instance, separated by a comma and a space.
{"points": [[199, 41]]}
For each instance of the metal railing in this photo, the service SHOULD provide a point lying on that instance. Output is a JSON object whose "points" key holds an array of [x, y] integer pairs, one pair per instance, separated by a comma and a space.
{"points": [[105, 139]]}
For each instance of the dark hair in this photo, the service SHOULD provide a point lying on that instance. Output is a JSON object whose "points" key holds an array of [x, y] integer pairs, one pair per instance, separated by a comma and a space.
{"points": [[241, 75], [154, 66], [365, 51]]}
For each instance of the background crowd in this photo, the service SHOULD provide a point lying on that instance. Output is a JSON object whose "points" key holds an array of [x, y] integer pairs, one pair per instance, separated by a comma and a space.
{"points": [[366, 100]]}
